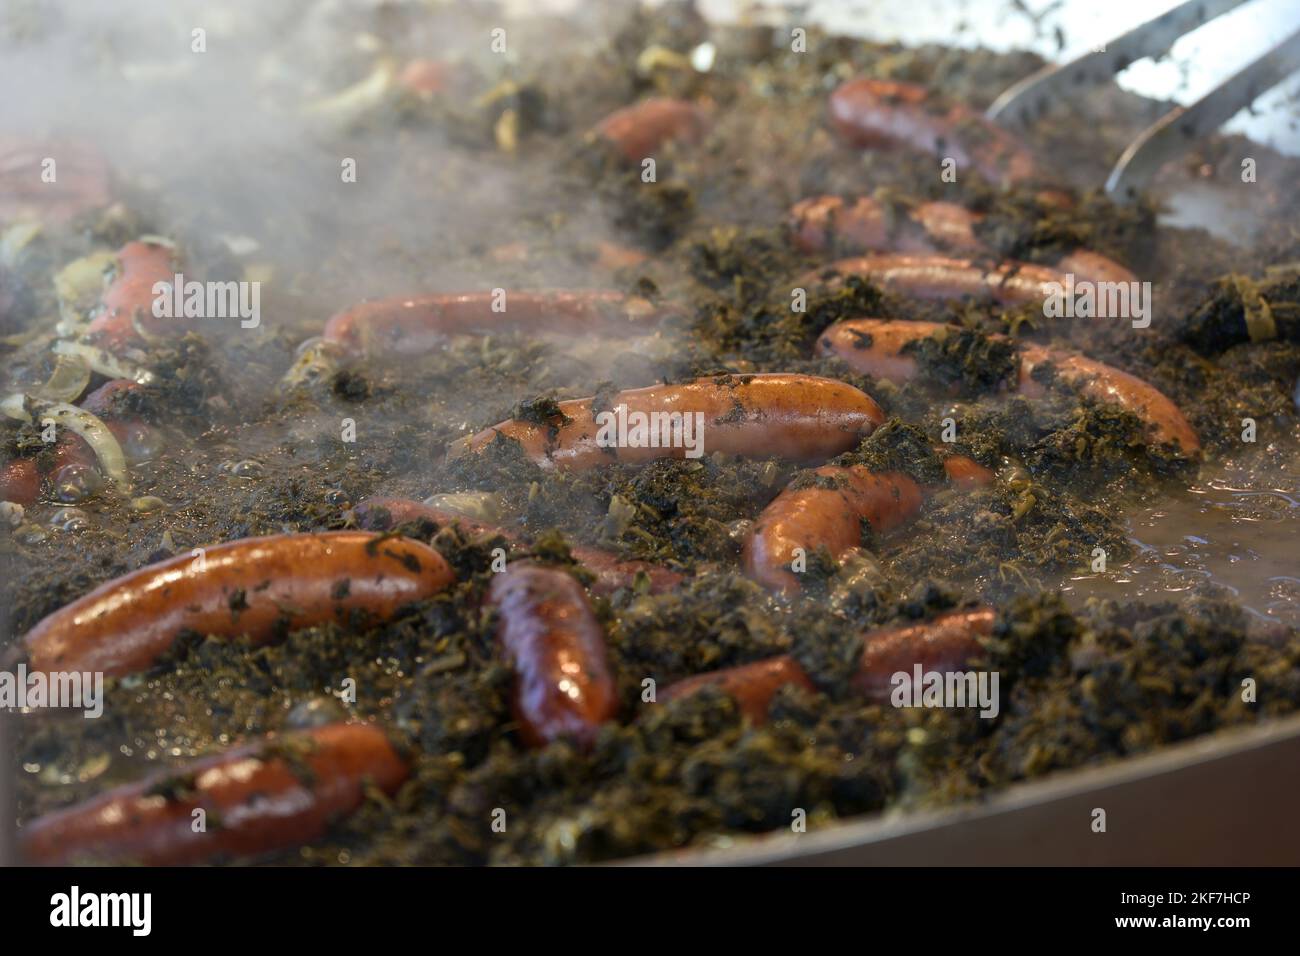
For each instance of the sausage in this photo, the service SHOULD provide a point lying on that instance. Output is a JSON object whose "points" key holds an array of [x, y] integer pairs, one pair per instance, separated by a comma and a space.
{"points": [[256, 586], [425, 78], [946, 643], [84, 180], [751, 686], [564, 687], [798, 417], [130, 297], [831, 224], [416, 324], [254, 801], [611, 572], [936, 277], [871, 113], [638, 130], [875, 347], [966, 474], [20, 481], [827, 514], [1164, 421], [138, 439]]}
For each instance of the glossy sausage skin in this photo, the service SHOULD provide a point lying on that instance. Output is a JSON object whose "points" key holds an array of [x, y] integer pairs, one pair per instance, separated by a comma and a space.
{"points": [[412, 325], [949, 642], [966, 474], [751, 686], [1165, 421], [946, 643], [831, 224], [564, 688], [826, 517], [130, 296], [874, 347], [874, 113], [638, 130], [941, 278], [799, 417], [256, 586], [20, 481], [611, 572], [255, 801]]}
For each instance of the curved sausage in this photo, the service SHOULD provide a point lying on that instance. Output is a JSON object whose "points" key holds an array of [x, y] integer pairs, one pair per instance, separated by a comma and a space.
{"points": [[871, 113], [564, 686], [827, 514], [800, 417], [254, 801], [256, 586], [415, 324], [832, 224], [941, 278], [1165, 422], [751, 686], [875, 347], [611, 572], [946, 643], [130, 297], [638, 130]]}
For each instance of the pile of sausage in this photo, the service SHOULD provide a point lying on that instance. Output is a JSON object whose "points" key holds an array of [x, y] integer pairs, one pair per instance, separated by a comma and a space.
{"points": [[261, 797]]}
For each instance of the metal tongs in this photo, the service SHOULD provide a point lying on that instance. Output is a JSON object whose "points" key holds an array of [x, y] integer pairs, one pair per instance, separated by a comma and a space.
{"points": [[1180, 128]]}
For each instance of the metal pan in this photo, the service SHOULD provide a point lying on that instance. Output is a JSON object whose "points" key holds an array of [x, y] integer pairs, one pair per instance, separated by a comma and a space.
{"points": [[1223, 800]]}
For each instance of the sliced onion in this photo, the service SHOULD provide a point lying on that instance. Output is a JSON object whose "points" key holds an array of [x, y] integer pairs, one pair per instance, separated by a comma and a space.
{"points": [[91, 430], [69, 379], [105, 362], [483, 505]]}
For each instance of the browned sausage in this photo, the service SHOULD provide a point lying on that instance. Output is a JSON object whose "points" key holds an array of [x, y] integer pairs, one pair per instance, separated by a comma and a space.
{"points": [[1165, 422], [564, 687], [752, 686], [415, 324], [257, 586], [831, 224], [875, 347], [129, 297], [637, 131], [946, 643], [942, 277], [253, 799], [799, 417], [611, 572], [966, 474], [827, 514], [871, 113]]}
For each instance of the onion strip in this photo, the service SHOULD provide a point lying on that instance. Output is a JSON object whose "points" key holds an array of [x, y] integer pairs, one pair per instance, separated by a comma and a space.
{"points": [[104, 362], [69, 379], [88, 427]]}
